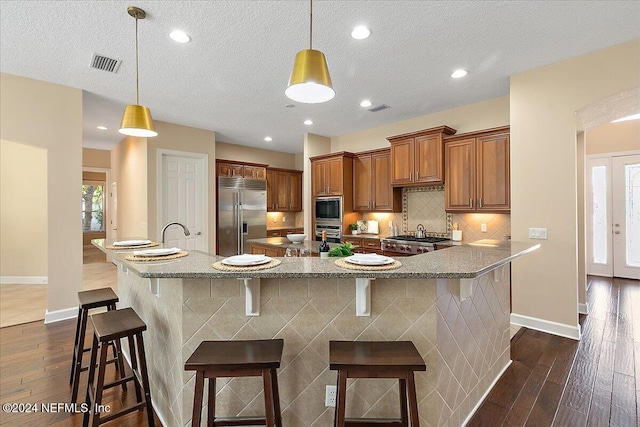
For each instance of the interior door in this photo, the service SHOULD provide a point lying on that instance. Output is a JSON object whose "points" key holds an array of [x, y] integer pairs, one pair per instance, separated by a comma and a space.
{"points": [[626, 216], [184, 200]]}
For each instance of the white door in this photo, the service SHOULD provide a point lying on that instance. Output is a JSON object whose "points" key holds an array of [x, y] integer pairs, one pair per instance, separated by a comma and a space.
{"points": [[626, 216], [599, 247], [183, 199]]}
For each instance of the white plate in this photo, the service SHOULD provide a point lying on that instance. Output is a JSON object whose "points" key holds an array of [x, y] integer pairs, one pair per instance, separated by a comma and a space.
{"points": [[246, 259], [157, 252], [369, 259], [131, 243]]}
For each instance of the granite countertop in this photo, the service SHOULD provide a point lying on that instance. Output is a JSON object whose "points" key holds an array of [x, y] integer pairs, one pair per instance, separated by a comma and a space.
{"points": [[465, 261]]}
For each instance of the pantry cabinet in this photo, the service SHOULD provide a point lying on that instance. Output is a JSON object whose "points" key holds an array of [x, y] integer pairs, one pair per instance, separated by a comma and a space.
{"points": [[477, 174], [417, 158]]}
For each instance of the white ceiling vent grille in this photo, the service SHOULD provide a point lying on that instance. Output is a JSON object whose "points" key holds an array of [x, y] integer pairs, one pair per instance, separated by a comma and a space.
{"points": [[379, 108], [103, 63]]}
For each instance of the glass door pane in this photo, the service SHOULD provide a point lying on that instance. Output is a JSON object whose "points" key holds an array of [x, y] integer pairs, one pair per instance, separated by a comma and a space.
{"points": [[632, 213], [600, 227]]}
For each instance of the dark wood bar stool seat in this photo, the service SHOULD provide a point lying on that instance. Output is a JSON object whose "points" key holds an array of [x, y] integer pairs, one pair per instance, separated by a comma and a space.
{"points": [[377, 359], [113, 326], [215, 359], [96, 298]]}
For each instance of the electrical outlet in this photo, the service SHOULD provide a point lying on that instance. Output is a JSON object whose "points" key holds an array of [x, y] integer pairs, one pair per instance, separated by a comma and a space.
{"points": [[330, 396], [483, 228], [284, 219]]}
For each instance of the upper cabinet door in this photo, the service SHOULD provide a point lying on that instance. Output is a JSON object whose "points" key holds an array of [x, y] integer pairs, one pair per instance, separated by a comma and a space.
{"points": [[230, 169], [385, 197], [493, 188], [282, 194], [429, 159], [362, 183], [318, 178], [271, 190], [295, 192], [255, 172], [402, 159], [334, 176], [460, 175]]}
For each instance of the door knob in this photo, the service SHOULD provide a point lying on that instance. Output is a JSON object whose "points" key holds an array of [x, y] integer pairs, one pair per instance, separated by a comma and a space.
{"points": [[198, 233], [617, 232], [616, 225]]}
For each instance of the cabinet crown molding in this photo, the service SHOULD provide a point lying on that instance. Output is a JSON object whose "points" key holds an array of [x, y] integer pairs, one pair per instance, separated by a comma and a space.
{"points": [[329, 155], [240, 162], [440, 129], [478, 133]]}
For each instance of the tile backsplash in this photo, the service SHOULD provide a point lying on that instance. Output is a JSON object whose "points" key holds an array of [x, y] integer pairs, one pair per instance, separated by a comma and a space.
{"points": [[424, 205], [498, 225]]}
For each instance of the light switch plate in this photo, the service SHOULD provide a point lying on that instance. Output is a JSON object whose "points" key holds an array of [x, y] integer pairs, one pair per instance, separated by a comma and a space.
{"points": [[538, 233]]}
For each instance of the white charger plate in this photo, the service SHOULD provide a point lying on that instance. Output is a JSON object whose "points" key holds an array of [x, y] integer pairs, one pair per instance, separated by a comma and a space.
{"points": [[157, 252], [369, 259], [131, 243], [246, 259]]}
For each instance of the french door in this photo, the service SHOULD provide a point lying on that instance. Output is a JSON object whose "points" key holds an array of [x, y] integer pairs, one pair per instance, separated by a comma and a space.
{"points": [[613, 216]]}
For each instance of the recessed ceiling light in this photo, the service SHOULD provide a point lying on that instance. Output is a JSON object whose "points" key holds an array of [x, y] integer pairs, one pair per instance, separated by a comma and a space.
{"points": [[360, 32], [624, 119], [459, 73], [366, 103], [268, 138], [308, 122], [101, 127], [180, 36]]}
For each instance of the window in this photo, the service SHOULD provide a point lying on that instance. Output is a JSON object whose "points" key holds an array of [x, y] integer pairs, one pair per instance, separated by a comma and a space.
{"points": [[92, 208]]}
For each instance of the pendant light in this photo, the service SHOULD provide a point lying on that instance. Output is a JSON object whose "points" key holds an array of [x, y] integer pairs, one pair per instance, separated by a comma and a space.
{"points": [[310, 82], [136, 120]]}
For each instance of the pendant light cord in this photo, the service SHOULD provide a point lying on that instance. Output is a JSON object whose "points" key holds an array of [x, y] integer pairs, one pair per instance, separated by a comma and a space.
{"points": [[310, 24], [137, 89]]}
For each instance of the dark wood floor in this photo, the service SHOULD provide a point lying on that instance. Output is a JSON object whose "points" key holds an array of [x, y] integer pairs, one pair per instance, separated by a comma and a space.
{"points": [[552, 380], [34, 368], [562, 382]]}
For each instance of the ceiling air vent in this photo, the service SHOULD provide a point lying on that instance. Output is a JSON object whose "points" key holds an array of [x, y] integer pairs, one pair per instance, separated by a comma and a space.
{"points": [[379, 108], [103, 63]]}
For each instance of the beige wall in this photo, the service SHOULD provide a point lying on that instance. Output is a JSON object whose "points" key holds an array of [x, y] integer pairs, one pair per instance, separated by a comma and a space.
{"points": [[275, 159], [92, 158], [313, 145], [180, 138], [614, 137], [23, 210], [582, 254], [481, 115], [543, 171], [49, 116], [129, 173]]}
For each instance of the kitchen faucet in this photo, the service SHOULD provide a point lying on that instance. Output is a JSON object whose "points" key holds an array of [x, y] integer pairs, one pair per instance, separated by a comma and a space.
{"points": [[186, 230]]}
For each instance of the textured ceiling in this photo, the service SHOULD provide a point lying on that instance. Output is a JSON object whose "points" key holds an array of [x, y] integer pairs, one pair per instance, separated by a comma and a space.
{"points": [[231, 78]]}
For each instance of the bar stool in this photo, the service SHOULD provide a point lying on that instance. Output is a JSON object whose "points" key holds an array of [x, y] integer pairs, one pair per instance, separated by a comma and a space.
{"points": [[113, 326], [104, 297], [214, 359], [377, 359]]}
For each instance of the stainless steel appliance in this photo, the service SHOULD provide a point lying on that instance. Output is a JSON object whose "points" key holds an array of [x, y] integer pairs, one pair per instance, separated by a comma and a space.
{"points": [[328, 209], [242, 213], [409, 245], [333, 229]]}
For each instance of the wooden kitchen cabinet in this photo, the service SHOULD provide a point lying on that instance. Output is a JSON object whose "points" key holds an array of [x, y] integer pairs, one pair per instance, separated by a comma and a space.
{"points": [[233, 168], [267, 250], [284, 190], [417, 158], [330, 174], [284, 232], [372, 190], [477, 172]]}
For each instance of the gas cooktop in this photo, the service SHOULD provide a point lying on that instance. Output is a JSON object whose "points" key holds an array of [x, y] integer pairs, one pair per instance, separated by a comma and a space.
{"points": [[409, 238]]}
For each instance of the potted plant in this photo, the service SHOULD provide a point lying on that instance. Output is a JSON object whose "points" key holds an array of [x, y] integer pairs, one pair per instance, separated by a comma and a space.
{"points": [[353, 228]]}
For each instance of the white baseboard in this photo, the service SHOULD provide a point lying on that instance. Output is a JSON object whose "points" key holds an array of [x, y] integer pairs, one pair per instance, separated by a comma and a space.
{"points": [[486, 393], [547, 326], [24, 280], [58, 315], [583, 308]]}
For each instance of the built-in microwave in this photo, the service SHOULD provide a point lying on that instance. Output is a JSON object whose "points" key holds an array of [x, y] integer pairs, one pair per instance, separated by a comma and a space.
{"points": [[329, 208]]}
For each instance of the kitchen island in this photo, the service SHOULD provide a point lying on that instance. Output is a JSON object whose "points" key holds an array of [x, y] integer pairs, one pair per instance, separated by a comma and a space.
{"points": [[453, 304]]}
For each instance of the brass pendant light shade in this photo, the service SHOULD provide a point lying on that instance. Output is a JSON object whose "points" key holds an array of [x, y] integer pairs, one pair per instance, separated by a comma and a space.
{"points": [[310, 82], [136, 120]]}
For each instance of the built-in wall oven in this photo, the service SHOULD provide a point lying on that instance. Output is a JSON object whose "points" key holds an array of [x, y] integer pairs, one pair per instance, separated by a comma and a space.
{"points": [[329, 209], [333, 229]]}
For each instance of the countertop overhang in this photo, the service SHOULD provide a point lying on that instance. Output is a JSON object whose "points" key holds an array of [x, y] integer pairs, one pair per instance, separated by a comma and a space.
{"points": [[458, 262]]}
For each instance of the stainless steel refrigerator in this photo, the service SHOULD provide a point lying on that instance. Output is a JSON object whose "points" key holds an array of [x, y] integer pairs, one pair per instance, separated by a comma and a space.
{"points": [[242, 213]]}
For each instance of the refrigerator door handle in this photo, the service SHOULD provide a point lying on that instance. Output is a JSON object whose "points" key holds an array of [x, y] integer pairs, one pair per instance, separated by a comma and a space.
{"points": [[241, 226]]}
